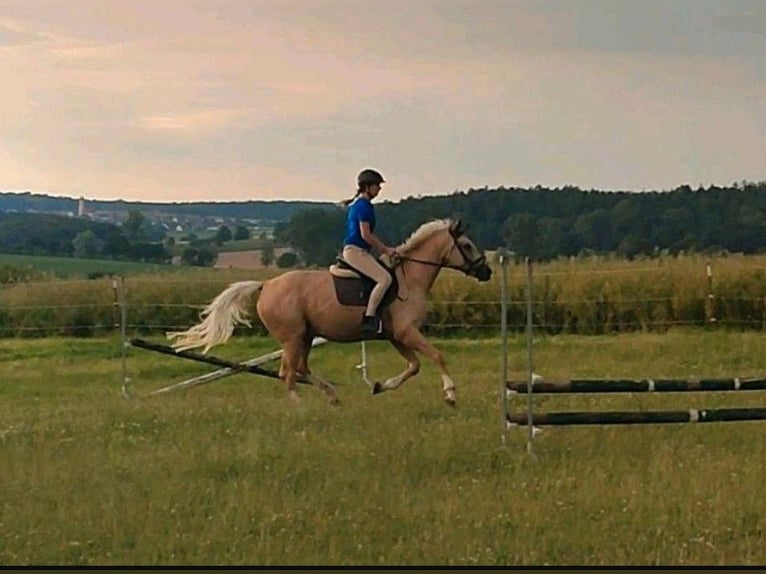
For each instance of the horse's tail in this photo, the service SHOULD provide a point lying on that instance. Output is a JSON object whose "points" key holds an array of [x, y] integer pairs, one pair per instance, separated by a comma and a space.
{"points": [[219, 318]]}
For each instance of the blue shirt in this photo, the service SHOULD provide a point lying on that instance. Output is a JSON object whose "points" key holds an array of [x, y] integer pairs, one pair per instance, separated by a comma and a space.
{"points": [[361, 209]]}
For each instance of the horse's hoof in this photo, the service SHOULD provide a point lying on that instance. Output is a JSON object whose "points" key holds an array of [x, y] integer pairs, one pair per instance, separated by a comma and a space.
{"points": [[335, 402], [450, 402], [377, 388]]}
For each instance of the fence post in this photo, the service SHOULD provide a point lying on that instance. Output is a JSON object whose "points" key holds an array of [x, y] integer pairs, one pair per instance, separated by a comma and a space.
{"points": [[503, 257], [530, 368], [118, 284], [710, 299], [546, 295]]}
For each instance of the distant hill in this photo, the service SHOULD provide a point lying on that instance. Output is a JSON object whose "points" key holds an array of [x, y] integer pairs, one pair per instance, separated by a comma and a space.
{"points": [[27, 202]]}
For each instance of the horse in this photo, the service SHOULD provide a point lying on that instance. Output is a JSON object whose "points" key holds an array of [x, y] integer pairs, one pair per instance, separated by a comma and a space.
{"points": [[299, 305]]}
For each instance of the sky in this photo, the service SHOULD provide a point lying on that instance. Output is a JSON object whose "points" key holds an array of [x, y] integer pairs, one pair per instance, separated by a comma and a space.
{"points": [[235, 100]]}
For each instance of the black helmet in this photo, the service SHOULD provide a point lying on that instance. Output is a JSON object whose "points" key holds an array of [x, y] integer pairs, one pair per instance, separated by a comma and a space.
{"points": [[369, 177]]}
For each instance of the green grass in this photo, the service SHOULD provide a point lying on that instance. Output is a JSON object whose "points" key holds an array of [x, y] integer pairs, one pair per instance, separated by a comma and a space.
{"points": [[73, 267], [254, 243], [234, 473]]}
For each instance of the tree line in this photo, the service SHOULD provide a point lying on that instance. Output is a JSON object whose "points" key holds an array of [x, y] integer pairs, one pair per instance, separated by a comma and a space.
{"points": [[135, 239], [273, 210], [57, 236], [547, 223], [540, 223]]}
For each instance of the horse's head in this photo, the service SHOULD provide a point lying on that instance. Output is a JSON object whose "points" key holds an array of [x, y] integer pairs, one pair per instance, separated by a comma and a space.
{"points": [[465, 255]]}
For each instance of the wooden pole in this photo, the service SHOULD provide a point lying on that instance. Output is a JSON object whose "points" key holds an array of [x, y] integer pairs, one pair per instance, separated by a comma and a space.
{"points": [[639, 417], [638, 385]]}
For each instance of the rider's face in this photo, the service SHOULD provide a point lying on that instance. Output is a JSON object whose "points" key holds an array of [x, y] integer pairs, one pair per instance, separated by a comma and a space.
{"points": [[373, 190]]}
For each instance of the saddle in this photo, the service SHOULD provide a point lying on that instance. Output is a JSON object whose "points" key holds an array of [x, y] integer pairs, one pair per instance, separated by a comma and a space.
{"points": [[352, 287]]}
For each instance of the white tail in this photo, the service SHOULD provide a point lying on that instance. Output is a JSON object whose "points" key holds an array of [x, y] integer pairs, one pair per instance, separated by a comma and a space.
{"points": [[219, 318]]}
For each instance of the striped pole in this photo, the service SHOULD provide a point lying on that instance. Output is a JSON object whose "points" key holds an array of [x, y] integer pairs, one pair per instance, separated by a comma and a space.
{"points": [[637, 385], [639, 417]]}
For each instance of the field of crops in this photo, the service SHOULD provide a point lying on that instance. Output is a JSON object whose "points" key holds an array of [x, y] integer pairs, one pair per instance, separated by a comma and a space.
{"points": [[583, 296], [233, 473]]}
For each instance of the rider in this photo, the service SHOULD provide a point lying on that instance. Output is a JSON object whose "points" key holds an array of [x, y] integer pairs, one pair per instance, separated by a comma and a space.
{"points": [[360, 239]]}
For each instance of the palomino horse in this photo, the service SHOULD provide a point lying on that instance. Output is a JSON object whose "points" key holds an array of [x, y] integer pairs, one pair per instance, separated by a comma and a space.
{"points": [[299, 305]]}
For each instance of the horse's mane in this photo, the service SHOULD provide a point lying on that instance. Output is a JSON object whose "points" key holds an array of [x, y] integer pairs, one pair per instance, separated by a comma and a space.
{"points": [[422, 233]]}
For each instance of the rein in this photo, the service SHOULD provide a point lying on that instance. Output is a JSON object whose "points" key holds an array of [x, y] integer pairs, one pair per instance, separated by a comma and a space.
{"points": [[431, 263], [455, 245], [470, 267]]}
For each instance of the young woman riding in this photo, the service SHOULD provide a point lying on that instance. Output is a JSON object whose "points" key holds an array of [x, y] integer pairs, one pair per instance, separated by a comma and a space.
{"points": [[359, 241]]}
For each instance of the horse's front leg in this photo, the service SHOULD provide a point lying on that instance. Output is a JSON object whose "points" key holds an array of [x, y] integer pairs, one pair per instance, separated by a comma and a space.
{"points": [[413, 367], [414, 339]]}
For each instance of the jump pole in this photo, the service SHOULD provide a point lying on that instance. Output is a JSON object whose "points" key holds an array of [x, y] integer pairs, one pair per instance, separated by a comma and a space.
{"points": [[209, 359], [542, 386], [640, 417], [363, 367], [221, 373]]}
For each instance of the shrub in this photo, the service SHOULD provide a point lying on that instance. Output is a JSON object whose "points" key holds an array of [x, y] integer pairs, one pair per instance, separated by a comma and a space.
{"points": [[287, 260]]}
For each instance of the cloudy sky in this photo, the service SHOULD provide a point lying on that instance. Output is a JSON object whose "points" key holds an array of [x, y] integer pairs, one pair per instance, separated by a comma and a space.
{"points": [[224, 100]]}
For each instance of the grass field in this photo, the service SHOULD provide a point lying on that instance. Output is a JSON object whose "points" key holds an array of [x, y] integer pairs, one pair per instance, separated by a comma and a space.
{"points": [[233, 473], [72, 267]]}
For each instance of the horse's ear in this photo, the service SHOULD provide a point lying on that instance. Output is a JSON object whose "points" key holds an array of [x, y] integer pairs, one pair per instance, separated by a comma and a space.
{"points": [[456, 228]]}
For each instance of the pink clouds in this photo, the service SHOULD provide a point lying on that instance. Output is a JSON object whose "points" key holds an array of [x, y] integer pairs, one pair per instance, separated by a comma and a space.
{"points": [[163, 98]]}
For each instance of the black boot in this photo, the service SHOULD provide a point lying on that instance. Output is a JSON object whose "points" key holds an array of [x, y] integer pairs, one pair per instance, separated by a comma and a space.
{"points": [[370, 325]]}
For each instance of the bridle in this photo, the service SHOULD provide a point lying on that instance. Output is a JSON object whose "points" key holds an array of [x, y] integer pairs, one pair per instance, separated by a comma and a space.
{"points": [[472, 264]]}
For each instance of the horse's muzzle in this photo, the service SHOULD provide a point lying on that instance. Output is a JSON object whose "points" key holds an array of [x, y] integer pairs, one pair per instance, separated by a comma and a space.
{"points": [[483, 273]]}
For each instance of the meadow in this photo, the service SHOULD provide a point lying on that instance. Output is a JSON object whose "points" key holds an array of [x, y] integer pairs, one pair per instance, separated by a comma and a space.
{"points": [[234, 473], [79, 268]]}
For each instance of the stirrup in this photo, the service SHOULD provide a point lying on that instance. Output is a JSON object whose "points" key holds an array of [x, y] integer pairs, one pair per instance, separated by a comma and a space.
{"points": [[370, 328]]}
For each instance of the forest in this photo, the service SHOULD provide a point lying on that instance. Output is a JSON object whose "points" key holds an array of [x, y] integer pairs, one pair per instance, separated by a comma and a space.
{"points": [[546, 223]]}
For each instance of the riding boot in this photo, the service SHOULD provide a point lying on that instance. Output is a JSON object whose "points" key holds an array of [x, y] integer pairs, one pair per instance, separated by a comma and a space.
{"points": [[370, 325]]}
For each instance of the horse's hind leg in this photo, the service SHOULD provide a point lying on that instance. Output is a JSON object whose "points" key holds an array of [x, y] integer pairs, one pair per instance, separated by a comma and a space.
{"points": [[292, 355], [325, 385], [305, 373]]}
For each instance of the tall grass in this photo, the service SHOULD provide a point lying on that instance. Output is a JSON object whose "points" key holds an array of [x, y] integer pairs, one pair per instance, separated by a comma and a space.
{"points": [[233, 473], [579, 296], [154, 302]]}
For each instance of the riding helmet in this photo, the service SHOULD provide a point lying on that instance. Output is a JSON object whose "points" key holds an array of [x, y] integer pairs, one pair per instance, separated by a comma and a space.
{"points": [[369, 177]]}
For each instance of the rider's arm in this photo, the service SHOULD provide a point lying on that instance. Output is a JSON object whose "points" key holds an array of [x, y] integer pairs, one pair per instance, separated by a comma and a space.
{"points": [[372, 239]]}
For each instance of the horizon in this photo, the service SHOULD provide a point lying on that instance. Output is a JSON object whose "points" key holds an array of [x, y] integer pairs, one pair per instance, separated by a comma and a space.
{"points": [[229, 102], [733, 185]]}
